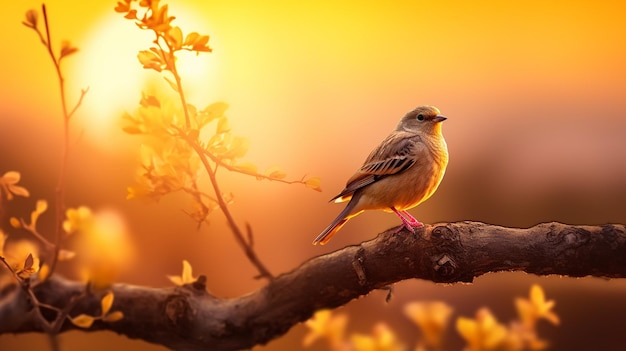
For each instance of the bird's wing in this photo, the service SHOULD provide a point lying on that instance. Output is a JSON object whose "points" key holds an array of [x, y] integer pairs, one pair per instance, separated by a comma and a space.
{"points": [[396, 154]]}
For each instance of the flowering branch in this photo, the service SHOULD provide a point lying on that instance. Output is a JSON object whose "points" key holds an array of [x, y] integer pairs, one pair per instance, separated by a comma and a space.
{"points": [[181, 150]]}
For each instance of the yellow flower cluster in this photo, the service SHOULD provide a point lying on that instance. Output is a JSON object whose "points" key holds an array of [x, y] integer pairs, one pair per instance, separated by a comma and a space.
{"points": [[483, 333]]}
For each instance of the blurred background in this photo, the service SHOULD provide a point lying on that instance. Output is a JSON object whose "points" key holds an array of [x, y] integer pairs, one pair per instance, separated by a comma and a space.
{"points": [[534, 92]]}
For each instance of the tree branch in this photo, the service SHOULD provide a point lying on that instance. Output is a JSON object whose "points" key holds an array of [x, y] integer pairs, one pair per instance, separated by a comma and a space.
{"points": [[189, 318]]}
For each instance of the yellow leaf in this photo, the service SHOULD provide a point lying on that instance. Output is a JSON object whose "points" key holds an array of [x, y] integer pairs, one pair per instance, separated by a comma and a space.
{"points": [[150, 60], [22, 256], [18, 190], [132, 14], [275, 172], [313, 183], [82, 321], [67, 49], [15, 223], [191, 38], [122, 6], [8, 181], [175, 37], [11, 177], [247, 167], [28, 262], [113, 316], [201, 44], [40, 207], [239, 147], [176, 279], [28, 268], [212, 112], [132, 130], [185, 278], [31, 18], [106, 303], [222, 126], [149, 100]]}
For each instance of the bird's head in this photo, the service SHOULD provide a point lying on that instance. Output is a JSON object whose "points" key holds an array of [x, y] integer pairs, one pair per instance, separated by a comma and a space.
{"points": [[426, 119]]}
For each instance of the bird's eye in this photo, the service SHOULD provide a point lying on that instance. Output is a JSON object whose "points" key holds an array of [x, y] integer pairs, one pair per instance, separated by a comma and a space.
{"points": [[420, 117]]}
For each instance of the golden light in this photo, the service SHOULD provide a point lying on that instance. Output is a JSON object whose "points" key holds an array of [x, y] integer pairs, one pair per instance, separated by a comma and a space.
{"points": [[107, 64]]}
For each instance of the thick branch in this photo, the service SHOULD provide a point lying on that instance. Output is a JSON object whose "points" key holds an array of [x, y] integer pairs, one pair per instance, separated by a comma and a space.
{"points": [[189, 318]]}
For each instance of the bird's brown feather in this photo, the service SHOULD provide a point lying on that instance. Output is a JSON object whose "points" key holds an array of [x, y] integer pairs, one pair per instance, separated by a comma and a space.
{"points": [[394, 155]]}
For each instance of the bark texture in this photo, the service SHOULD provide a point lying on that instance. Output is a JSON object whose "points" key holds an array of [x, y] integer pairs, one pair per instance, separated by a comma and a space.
{"points": [[189, 318]]}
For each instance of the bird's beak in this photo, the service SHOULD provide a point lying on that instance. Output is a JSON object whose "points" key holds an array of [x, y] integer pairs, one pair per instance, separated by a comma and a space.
{"points": [[439, 118]]}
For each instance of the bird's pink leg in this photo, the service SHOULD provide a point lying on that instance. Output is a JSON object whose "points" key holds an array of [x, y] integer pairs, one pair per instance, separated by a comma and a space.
{"points": [[412, 220], [409, 222]]}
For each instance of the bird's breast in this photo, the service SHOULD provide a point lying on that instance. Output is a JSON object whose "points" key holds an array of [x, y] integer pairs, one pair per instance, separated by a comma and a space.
{"points": [[405, 190]]}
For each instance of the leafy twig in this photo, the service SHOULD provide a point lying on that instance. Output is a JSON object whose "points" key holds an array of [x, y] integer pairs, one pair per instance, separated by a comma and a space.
{"points": [[66, 50], [257, 175], [25, 286], [249, 252], [168, 41], [33, 231]]}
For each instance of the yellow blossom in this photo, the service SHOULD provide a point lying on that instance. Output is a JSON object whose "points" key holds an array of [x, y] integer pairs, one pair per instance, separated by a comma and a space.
{"points": [[535, 308], [432, 318], [485, 333], [528, 337], [78, 219], [325, 325], [185, 278], [382, 339]]}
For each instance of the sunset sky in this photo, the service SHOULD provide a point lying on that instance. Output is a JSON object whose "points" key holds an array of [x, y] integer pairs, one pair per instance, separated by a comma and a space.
{"points": [[535, 93]]}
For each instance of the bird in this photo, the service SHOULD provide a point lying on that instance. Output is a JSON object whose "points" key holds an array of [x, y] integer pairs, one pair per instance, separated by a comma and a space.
{"points": [[404, 170]]}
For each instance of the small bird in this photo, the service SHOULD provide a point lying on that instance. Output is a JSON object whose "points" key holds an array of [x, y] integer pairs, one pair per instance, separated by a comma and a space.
{"points": [[399, 174]]}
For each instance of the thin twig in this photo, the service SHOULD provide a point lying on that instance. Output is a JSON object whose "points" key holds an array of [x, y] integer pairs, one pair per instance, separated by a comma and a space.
{"points": [[83, 92], [232, 168], [239, 237], [57, 324], [171, 66], [29, 228], [67, 115]]}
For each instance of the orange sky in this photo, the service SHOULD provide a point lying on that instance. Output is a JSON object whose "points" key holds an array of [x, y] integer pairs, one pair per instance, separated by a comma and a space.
{"points": [[534, 92]]}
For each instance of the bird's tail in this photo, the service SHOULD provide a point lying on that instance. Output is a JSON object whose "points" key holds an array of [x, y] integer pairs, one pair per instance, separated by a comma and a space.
{"points": [[337, 223]]}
